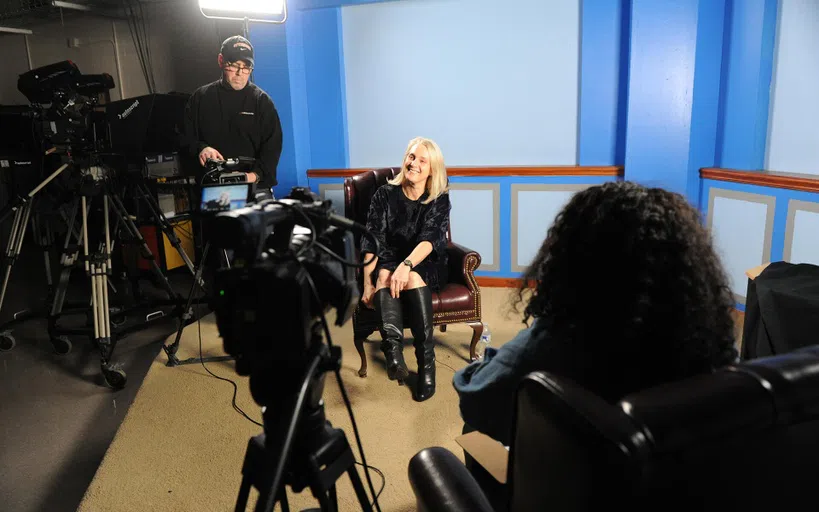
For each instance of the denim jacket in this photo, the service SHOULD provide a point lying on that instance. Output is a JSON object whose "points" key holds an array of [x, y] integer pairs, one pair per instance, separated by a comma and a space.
{"points": [[487, 388]]}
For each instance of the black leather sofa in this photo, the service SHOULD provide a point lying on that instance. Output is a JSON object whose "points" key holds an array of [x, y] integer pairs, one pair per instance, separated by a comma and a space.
{"points": [[743, 438]]}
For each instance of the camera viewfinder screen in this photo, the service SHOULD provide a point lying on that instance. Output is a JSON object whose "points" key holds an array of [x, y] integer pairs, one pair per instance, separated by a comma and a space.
{"points": [[222, 198]]}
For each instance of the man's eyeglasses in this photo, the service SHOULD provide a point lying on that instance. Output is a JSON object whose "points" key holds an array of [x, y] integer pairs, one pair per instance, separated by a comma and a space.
{"points": [[233, 68]]}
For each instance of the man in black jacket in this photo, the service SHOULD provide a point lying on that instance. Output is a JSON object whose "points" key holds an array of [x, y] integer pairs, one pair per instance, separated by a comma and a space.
{"points": [[233, 117]]}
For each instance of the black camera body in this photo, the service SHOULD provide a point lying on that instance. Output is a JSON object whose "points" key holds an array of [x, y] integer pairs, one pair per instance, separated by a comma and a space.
{"points": [[64, 104], [288, 270]]}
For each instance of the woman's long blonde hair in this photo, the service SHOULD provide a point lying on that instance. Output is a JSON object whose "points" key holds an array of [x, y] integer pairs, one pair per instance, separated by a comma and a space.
{"points": [[437, 182]]}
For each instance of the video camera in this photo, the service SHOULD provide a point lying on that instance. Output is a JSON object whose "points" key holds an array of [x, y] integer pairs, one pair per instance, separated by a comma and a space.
{"points": [[231, 170], [63, 103], [293, 260]]}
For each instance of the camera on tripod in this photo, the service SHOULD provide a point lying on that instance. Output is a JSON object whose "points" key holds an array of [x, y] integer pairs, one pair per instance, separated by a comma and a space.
{"points": [[94, 144], [64, 103], [288, 269], [294, 260]]}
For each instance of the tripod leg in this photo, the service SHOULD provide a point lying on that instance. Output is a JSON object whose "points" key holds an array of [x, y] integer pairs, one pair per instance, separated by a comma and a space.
{"points": [[260, 503], [67, 259], [43, 233], [115, 377], [108, 247], [85, 232], [107, 229], [165, 225], [15, 244], [329, 501], [187, 314], [95, 303], [70, 221], [21, 217], [283, 500], [122, 213], [244, 494], [358, 487]]}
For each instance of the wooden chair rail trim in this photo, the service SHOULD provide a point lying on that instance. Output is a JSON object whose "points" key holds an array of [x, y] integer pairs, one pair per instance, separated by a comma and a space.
{"points": [[790, 181], [567, 170], [499, 282]]}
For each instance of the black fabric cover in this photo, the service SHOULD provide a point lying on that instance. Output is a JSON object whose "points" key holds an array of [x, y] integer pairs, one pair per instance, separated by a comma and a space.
{"points": [[781, 310]]}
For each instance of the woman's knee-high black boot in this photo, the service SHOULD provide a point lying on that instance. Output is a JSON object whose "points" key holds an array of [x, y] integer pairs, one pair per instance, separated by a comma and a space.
{"points": [[418, 302], [392, 334]]}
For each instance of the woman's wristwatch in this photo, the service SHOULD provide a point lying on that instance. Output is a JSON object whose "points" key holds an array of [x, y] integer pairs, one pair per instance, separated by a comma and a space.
{"points": [[408, 263]]}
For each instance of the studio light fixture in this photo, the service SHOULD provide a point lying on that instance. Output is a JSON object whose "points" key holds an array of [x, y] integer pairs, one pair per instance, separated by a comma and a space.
{"points": [[262, 11]]}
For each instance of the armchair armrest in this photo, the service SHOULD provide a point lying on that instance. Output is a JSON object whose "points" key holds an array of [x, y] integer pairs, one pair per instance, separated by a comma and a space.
{"points": [[462, 264], [442, 483]]}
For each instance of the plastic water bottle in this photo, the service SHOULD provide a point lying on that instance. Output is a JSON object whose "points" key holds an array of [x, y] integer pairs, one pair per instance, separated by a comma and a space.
{"points": [[486, 339]]}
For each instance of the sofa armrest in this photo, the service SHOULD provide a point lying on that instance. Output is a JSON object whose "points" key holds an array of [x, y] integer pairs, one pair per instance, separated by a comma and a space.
{"points": [[462, 264], [442, 483]]}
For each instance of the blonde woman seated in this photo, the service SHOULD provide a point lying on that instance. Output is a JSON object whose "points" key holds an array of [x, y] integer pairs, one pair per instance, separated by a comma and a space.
{"points": [[410, 218]]}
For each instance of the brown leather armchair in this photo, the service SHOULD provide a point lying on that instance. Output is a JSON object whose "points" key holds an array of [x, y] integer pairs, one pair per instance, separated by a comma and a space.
{"points": [[459, 300]]}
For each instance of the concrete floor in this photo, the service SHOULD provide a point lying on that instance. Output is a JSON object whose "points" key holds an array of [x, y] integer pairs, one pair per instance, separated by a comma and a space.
{"points": [[57, 417]]}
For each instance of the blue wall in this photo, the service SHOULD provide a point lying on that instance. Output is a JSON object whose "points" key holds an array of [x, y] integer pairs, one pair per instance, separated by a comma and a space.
{"points": [[663, 86], [700, 72], [748, 56], [492, 84], [793, 143], [604, 49]]}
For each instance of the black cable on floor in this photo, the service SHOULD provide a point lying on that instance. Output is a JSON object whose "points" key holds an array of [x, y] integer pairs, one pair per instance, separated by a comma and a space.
{"points": [[235, 387], [383, 480]]}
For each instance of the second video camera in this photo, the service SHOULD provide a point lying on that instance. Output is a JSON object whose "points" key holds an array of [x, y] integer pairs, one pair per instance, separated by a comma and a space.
{"points": [[63, 102]]}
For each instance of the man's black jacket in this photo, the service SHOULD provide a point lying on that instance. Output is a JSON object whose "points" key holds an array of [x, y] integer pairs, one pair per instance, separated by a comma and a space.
{"points": [[235, 123]]}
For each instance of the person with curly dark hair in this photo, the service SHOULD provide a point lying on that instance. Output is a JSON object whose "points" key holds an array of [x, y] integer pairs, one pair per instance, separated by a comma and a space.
{"points": [[628, 294]]}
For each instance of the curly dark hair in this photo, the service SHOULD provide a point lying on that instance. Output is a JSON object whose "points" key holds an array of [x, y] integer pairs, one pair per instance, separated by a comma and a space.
{"points": [[628, 276]]}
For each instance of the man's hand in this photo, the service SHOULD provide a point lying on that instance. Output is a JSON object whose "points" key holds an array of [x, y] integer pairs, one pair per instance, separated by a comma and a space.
{"points": [[399, 280], [252, 177], [211, 153]]}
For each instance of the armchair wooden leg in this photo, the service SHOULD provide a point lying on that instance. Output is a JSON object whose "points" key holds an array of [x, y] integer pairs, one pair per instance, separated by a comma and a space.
{"points": [[359, 346], [443, 328], [477, 330]]}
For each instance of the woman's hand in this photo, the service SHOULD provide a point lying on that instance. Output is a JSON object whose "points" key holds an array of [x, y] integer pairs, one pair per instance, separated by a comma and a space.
{"points": [[399, 280], [367, 295]]}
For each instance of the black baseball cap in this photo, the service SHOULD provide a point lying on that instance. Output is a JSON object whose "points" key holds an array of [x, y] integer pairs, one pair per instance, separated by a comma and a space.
{"points": [[237, 48]]}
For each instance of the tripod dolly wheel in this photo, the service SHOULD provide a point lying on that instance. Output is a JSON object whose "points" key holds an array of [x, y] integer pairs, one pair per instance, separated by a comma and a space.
{"points": [[61, 344], [114, 377], [7, 342]]}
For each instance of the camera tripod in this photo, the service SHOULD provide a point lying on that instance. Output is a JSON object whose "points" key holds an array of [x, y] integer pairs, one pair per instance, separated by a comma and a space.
{"points": [[98, 189], [188, 314], [136, 186], [217, 172], [308, 452]]}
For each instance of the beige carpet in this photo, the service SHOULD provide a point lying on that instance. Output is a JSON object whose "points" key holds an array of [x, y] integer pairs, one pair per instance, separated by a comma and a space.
{"points": [[181, 446]]}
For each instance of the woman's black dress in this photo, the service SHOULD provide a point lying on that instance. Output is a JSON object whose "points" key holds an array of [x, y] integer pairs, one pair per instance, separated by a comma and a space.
{"points": [[400, 224]]}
